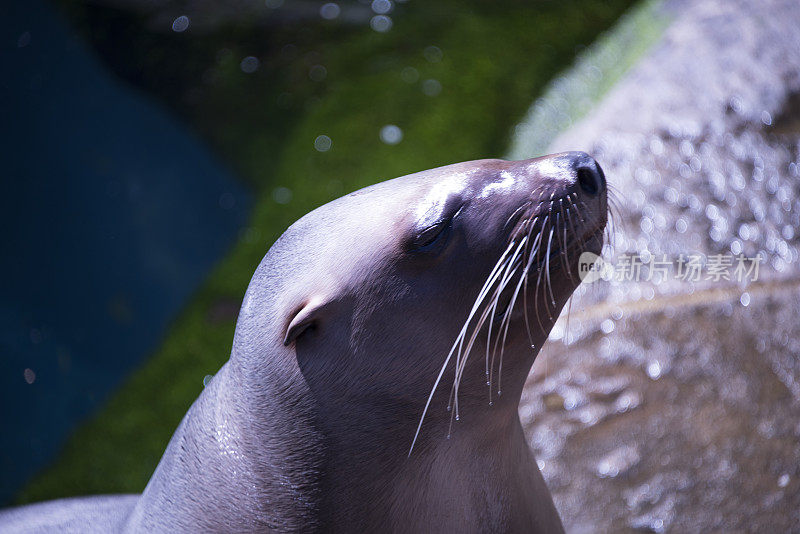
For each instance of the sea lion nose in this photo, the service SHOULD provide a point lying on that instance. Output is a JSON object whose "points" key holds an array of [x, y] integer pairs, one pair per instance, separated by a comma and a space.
{"points": [[589, 174]]}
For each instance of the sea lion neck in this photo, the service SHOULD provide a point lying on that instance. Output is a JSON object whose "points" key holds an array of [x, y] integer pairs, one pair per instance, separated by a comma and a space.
{"points": [[371, 484], [215, 446], [365, 477]]}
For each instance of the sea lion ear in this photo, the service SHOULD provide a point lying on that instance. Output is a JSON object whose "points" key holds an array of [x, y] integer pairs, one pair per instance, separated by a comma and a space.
{"points": [[304, 319]]}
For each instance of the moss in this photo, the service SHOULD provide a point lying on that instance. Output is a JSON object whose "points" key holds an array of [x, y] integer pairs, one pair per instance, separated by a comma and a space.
{"points": [[572, 95], [496, 58]]}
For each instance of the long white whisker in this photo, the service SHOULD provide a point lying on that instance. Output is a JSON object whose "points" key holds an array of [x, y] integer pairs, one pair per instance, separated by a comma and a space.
{"points": [[461, 361], [490, 281], [510, 270], [547, 266]]}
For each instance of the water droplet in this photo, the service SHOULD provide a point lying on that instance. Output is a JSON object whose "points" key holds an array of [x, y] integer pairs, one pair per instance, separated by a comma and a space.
{"points": [[458, 417], [499, 392], [618, 461], [654, 370], [745, 299], [607, 326]]}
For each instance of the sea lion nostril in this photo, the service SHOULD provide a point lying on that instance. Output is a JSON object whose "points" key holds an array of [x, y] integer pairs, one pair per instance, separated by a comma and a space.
{"points": [[591, 179]]}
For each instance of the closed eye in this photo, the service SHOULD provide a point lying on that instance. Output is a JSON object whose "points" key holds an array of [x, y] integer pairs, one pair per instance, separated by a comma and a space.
{"points": [[431, 235]]}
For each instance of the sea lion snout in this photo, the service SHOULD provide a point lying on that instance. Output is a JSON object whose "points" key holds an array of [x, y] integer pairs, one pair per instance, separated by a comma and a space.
{"points": [[576, 178], [591, 178], [565, 191], [577, 172]]}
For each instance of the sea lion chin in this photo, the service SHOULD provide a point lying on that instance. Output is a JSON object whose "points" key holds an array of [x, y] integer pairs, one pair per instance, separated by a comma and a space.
{"points": [[378, 363]]}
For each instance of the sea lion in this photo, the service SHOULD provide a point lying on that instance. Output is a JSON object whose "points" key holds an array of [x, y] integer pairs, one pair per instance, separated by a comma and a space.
{"points": [[377, 366]]}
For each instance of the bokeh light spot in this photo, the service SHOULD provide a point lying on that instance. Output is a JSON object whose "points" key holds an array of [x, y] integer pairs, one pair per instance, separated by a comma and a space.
{"points": [[329, 11], [431, 87], [322, 143], [29, 375], [391, 134], [409, 74], [381, 23], [249, 64], [317, 73], [654, 369], [433, 54], [282, 195], [381, 7], [180, 24]]}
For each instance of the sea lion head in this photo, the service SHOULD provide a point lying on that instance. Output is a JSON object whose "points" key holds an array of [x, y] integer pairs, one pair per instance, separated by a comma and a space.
{"points": [[452, 276]]}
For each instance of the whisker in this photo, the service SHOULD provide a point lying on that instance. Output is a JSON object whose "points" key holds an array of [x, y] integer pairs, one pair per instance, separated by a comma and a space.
{"points": [[489, 282], [461, 361], [547, 266], [494, 303], [539, 278], [531, 256], [531, 244]]}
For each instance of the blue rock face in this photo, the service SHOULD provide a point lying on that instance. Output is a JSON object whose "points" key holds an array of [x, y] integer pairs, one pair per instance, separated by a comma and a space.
{"points": [[112, 214]]}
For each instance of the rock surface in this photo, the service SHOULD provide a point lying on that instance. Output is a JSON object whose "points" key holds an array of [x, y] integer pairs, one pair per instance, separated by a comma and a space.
{"points": [[673, 404]]}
